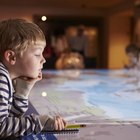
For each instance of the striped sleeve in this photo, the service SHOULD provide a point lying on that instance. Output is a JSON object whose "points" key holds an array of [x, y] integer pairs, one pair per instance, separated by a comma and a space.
{"points": [[14, 124], [4, 97], [18, 106], [19, 126]]}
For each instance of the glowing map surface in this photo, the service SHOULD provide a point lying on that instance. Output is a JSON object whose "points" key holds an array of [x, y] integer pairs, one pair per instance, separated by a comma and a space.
{"points": [[108, 101]]}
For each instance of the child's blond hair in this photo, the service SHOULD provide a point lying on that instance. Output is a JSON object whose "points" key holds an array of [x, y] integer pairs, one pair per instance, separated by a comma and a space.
{"points": [[18, 34]]}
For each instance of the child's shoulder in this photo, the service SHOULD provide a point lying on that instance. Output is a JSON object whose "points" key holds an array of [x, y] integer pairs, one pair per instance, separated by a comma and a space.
{"points": [[3, 70]]}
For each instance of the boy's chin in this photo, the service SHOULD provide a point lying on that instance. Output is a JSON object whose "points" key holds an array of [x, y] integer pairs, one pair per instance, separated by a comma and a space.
{"points": [[33, 76]]}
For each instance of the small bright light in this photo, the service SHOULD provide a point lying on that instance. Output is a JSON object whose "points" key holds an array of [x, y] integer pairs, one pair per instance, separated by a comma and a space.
{"points": [[44, 94], [43, 18]]}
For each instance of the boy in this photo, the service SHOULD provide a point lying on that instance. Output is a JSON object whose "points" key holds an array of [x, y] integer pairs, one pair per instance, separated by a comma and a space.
{"points": [[21, 47]]}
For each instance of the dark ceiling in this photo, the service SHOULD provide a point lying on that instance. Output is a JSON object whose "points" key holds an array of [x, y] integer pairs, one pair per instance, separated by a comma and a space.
{"points": [[66, 7]]}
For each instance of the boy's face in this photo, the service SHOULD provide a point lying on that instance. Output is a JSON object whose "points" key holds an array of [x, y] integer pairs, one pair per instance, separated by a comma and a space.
{"points": [[31, 62]]}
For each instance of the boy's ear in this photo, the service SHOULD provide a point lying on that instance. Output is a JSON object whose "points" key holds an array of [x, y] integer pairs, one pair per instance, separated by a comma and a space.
{"points": [[10, 56]]}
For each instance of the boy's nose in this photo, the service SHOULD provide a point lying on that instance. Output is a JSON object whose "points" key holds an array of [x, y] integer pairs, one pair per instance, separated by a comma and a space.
{"points": [[44, 60]]}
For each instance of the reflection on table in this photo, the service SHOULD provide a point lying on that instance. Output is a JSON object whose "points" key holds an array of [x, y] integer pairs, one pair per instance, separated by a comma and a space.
{"points": [[107, 101]]}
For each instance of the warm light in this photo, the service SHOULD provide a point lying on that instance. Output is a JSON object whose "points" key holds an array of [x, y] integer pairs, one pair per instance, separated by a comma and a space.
{"points": [[43, 18], [44, 94]]}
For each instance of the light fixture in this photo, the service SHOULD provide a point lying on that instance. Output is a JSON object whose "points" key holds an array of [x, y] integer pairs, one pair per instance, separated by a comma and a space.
{"points": [[43, 18]]}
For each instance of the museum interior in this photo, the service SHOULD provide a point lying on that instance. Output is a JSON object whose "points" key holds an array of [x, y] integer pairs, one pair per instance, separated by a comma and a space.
{"points": [[108, 27]]}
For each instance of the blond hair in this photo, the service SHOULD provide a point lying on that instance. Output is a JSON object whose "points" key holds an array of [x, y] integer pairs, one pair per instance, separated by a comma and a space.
{"points": [[18, 34]]}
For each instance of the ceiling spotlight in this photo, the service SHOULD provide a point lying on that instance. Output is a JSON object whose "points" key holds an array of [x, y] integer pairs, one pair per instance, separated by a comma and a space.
{"points": [[43, 18]]}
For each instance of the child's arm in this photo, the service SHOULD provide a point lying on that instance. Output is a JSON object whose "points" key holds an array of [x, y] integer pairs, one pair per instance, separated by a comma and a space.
{"points": [[23, 86], [12, 125], [19, 106], [18, 126]]}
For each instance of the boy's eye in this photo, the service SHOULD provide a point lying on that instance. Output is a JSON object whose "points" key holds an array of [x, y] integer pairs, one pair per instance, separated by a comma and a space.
{"points": [[37, 55]]}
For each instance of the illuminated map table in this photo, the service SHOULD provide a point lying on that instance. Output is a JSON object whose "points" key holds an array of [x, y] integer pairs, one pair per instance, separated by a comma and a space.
{"points": [[107, 101]]}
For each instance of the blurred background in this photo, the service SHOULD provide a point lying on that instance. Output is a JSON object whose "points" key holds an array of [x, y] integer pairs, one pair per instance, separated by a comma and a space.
{"points": [[108, 27]]}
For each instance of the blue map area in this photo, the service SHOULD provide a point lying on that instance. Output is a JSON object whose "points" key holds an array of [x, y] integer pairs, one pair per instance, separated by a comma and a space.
{"points": [[108, 91]]}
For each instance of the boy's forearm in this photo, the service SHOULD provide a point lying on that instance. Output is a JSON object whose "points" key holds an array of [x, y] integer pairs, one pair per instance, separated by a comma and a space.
{"points": [[19, 106], [19, 126], [22, 93], [47, 122], [23, 88]]}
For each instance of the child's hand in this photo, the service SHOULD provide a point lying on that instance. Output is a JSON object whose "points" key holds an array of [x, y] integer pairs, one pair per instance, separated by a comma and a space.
{"points": [[24, 85], [49, 123], [60, 123], [30, 80]]}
